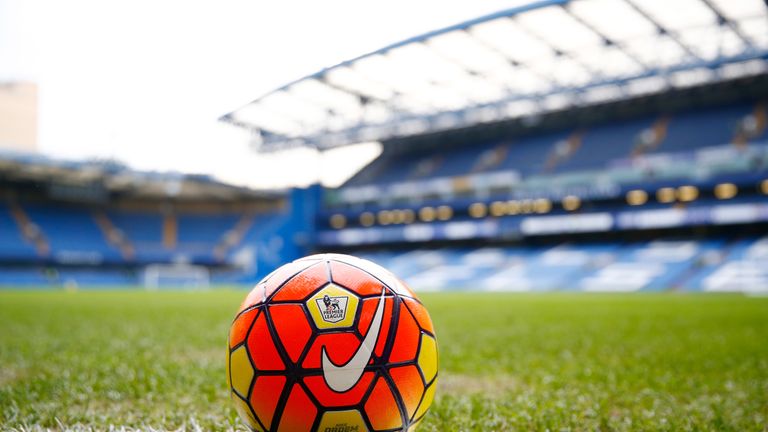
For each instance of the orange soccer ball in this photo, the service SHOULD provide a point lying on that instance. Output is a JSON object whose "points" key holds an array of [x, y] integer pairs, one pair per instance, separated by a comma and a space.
{"points": [[332, 343]]}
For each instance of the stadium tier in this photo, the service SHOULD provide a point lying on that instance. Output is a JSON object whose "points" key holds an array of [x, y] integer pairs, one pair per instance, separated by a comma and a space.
{"points": [[693, 168], [581, 148], [686, 265]]}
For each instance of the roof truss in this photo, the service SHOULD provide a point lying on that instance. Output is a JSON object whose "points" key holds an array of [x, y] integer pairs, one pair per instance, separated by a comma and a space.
{"points": [[549, 55]]}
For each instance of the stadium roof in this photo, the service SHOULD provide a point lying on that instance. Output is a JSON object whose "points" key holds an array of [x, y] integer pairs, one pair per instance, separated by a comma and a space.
{"points": [[550, 55]]}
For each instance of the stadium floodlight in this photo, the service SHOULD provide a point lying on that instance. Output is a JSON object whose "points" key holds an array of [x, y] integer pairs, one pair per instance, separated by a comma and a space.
{"points": [[665, 195], [338, 221], [427, 214], [409, 216], [385, 217], [687, 193], [513, 64], [367, 219], [398, 217], [444, 212], [726, 191], [637, 197], [478, 210], [498, 209], [542, 205], [571, 203]]}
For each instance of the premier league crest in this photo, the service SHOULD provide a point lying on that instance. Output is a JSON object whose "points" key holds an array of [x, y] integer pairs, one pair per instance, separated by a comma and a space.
{"points": [[332, 309]]}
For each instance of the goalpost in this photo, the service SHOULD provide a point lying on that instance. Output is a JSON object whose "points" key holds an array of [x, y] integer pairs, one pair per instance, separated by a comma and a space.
{"points": [[160, 276]]}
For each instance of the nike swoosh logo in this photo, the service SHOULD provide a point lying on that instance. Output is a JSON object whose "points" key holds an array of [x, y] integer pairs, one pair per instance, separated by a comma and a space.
{"points": [[344, 377]]}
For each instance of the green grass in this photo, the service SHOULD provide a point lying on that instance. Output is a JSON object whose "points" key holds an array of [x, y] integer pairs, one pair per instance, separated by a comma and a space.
{"points": [[508, 361]]}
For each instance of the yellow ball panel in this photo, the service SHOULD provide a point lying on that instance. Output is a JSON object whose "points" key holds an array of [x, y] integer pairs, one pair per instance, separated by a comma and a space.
{"points": [[338, 314], [429, 395], [414, 426], [229, 380], [348, 420], [428, 357], [245, 413], [241, 371]]}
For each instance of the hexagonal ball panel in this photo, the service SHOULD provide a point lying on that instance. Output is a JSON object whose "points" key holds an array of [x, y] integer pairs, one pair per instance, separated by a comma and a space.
{"points": [[428, 357], [241, 371], [348, 420], [333, 307]]}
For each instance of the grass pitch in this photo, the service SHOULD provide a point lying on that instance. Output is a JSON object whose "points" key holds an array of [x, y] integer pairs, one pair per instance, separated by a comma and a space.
{"points": [[575, 362]]}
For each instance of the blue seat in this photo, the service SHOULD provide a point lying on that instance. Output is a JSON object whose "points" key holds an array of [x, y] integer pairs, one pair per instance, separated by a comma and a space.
{"points": [[601, 144], [12, 242], [206, 229], [72, 233], [695, 129]]}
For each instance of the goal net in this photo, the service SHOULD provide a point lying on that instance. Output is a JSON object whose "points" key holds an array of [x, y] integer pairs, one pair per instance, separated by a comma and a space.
{"points": [[159, 276]]}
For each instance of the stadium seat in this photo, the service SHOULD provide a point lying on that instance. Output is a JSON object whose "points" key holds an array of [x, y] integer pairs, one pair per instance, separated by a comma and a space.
{"points": [[13, 245], [639, 266], [691, 130], [610, 142], [31, 276], [742, 267], [72, 234]]}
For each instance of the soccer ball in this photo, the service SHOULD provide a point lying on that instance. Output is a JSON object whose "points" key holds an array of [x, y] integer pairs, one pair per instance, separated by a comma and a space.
{"points": [[332, 343]]}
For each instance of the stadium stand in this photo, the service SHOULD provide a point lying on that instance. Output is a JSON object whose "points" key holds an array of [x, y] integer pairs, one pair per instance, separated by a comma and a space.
{"points": [[24, 277], [56, 229], [13, 244], [639, 266], [593, 147], [740, 268], [601, 156], [692, 168], [72, 234]]}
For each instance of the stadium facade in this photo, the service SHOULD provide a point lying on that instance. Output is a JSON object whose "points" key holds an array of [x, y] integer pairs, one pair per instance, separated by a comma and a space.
{"points": [[583, 145]]}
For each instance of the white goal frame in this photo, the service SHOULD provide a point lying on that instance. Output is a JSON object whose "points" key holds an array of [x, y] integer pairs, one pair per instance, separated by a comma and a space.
{"points": [[187, 276]]}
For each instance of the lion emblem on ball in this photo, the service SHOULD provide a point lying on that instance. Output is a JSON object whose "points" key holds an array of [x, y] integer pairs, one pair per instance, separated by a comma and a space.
{"points": [[330, 304]]}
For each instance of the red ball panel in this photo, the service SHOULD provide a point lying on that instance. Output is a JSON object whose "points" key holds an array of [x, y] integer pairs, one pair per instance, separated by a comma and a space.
{"points": [[265, 395], [355, 279], [303, 284], [292, 328], [299, 413], [381, 407], [406, 339], [410, 386], [262, 348], [420, 312], [330, 398], [366, 316], [339, 346], [240, 327]]}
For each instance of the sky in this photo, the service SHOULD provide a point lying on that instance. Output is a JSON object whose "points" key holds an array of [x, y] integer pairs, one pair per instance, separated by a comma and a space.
{"points": [[144, 81]]}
